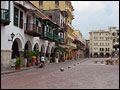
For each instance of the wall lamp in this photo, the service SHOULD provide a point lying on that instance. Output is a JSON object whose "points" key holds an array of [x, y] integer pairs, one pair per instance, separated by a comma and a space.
{"points": [[12, 36]]}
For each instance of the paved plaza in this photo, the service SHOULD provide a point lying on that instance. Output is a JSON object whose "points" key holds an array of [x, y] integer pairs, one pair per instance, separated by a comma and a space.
{"points": [[85, 75]]}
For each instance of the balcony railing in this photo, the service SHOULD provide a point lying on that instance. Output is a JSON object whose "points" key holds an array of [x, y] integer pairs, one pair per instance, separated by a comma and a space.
{"points": [[5, 16], [61, 40], [48, 35], [73, 45], [32, 29], [70, 36], [55, 37]]}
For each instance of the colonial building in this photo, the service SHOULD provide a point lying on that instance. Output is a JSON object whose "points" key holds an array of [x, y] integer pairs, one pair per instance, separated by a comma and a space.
{"points": [[100, 43], [81, 44], [115, 39], [66, 8], [24, 26]]}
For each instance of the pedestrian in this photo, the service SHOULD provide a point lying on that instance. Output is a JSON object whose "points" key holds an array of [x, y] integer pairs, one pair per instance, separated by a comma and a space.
{"points": [[42, 61]]}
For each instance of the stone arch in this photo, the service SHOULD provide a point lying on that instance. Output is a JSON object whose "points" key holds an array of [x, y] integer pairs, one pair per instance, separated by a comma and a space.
{"points": [[20, 39], [101, 55], [95, 54], [16, 47], [36, 47], [28, 46], [107, 55], [36, 42]]}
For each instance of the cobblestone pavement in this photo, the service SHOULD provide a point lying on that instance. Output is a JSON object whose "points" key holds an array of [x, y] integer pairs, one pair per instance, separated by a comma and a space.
{"points": [[85, 75]]}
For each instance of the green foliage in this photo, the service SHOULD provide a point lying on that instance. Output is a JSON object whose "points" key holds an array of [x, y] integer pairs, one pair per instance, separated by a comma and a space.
{"points": [[59, 48], [113, 53], [28, 55], [18, 62]]}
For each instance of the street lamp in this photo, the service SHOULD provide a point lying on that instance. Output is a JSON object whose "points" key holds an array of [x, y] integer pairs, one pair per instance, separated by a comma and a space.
{"points": [[12, 36]]}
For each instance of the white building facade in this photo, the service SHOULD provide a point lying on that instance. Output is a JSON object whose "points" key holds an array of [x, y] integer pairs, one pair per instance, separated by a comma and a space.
{"points": [[22, 12]]}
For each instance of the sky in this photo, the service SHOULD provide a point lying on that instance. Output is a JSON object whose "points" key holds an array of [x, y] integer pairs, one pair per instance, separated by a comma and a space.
{"points": [[95, 15]]}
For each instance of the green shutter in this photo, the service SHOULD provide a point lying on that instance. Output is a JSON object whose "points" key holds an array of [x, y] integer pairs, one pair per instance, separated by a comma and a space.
{"points": [[15, 16]]}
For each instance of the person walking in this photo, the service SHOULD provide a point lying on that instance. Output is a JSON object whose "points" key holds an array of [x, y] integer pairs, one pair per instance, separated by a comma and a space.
{"points": [[42, 61]]}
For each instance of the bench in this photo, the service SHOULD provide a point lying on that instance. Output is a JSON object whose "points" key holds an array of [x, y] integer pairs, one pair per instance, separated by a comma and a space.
{"points": [[99, 61]]}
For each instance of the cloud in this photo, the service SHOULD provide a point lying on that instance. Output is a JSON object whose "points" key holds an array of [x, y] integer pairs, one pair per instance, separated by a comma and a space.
{"points": [[95, 15], [84, 6]]}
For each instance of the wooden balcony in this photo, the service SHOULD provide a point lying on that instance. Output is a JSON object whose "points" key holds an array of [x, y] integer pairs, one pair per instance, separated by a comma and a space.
{"points": [[56, 38], [32, 29], [48, 36], [64, 27], [5, 17]]}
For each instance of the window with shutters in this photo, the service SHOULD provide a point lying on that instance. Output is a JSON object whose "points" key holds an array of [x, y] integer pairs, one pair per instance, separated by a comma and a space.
{"points": [[21, 19], [16, 16]]}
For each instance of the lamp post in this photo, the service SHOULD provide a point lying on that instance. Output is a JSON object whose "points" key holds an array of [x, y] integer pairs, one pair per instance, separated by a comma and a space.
{"points": [[12, 36]]}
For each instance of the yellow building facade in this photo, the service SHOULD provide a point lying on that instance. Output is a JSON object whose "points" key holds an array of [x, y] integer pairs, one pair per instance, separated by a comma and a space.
{"points": [[81, 51], [68, 8]]}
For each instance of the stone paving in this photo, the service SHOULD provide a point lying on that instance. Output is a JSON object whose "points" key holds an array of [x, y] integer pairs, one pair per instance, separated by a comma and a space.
{"points": [[85, 75]]}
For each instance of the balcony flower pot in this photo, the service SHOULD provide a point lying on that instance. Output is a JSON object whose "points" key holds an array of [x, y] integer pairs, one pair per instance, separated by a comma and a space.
{"points": [[36, 63], [33, 60], [18, 63], [28, 64], [17, 67]]}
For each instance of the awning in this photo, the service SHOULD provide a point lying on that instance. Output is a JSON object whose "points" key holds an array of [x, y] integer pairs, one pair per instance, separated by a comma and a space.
{"points": [[21, 6]]}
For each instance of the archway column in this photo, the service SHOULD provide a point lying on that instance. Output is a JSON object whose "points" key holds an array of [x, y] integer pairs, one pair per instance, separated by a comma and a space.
{"points": [[6, 59]]}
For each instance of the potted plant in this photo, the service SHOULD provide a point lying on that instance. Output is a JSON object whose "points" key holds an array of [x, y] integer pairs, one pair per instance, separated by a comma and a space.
{"points": [[28, 55], [18, 63], [36, 63]]}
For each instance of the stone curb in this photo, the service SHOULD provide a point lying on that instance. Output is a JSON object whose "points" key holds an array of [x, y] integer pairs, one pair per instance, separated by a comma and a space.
{"points": [[13, 71]]}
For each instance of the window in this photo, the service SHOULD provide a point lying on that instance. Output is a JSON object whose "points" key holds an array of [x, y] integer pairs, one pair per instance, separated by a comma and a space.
{"points": [[113, 34], [37, 22], [56, 3], [21, 19], [95, 38], [40, 3], [95, 33], [102, 49], [106, 49], [16, 16]]}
